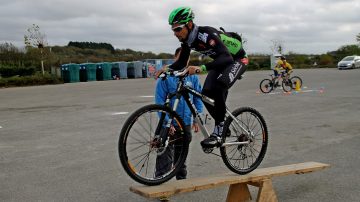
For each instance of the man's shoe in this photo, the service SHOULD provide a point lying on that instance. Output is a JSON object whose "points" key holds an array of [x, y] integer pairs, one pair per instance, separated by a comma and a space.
{"points": [[181, 175], [180, 178], [211, 141]]}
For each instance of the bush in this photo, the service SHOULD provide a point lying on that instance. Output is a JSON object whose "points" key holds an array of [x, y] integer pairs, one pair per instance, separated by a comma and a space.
{"points": [[37, 79], [7, 72]]}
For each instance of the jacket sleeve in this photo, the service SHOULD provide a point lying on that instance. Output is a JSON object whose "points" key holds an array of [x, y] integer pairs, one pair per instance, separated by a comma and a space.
{"points": [[181, 63], [197, 100]]}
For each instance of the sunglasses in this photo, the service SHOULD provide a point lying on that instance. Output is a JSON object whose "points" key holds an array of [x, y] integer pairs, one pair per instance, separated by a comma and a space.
{"points": [[178, 28]]}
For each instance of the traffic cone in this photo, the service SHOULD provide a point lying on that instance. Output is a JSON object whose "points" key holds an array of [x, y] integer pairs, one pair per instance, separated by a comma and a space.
{"points": [[297, 85]]}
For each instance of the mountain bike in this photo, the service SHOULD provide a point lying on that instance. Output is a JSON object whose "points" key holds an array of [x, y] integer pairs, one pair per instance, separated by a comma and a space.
{"points": [[146, 135], [288, 84]]}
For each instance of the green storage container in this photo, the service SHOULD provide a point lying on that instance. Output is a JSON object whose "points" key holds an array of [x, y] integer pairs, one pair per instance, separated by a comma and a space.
{"points": [[83, 73], [70, 73], [103, 71], [90, 69]]}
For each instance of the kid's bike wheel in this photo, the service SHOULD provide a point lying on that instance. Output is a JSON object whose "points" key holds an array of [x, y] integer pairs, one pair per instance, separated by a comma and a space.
{"points": [[146, 147], [295, 79], [249, 130], [266, 86], [287, 85]]}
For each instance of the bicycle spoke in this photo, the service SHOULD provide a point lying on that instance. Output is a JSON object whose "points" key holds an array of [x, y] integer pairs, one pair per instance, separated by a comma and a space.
{"points": [[145, 158]]}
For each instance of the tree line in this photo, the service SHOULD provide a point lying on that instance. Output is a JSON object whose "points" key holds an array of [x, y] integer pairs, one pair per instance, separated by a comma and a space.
{"points": [[92, 45], [39, 55], [55, 56], [82, 52]]}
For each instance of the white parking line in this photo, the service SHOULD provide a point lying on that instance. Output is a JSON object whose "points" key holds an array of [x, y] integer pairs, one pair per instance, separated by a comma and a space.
{"points": [[274, 93], [147, 96], [0, 127], [320, 90], [123, 113], [119, 113]]}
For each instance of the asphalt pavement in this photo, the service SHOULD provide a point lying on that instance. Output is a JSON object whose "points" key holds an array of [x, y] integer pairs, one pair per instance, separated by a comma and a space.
{"points": [[59, 142]]}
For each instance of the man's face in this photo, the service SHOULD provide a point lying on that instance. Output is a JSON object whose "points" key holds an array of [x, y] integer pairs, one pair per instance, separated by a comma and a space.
{"points": [[180, 31]]}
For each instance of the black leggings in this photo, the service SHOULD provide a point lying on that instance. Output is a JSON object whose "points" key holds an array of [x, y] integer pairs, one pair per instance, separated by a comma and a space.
{"points": [[214, 89], [164, 162]]}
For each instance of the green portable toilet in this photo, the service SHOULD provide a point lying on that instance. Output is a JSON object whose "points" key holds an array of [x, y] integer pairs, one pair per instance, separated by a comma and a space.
{"points": [[103, 71], [65, 73], [83, 73], [99, 72], [107, 70], [90, 69], [70, 73]]}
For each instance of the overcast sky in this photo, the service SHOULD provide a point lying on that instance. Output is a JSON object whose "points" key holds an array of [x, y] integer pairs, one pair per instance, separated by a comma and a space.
{"points": [[304, 26]]}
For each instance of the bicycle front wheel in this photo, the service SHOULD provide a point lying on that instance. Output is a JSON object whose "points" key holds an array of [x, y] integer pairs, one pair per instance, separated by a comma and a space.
{"points": [[287, 85], [266, 86], [245, 140], [149, 155]]}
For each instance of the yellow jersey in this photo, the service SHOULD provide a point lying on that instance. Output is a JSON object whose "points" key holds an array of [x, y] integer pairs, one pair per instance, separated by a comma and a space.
{"points": [[283, 65]]}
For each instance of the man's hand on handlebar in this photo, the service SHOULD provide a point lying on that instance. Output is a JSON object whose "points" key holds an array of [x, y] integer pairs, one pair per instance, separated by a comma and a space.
{"points": [[158, 72]]}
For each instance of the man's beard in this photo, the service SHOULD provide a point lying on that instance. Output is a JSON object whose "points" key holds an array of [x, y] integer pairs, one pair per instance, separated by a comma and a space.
{"points": [[182, 40]]}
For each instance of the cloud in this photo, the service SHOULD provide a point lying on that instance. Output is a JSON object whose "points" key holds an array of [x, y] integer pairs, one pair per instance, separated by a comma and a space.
{"points": [[304, 26]]}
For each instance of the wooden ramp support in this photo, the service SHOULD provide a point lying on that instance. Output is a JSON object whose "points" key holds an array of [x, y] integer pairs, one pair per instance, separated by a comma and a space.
{"points": [[238, 184]]}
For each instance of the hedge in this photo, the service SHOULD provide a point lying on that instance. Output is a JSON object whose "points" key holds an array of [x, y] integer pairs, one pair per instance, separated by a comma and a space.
{"points": [[7, 72], [37, 79]]}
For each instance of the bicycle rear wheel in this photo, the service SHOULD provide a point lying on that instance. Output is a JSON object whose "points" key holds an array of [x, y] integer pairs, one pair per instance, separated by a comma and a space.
{"points": [[295, 79], [142, 145], [266, 86], [244, 158]]}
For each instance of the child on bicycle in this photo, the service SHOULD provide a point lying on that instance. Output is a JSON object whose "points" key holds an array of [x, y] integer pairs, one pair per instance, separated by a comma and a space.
{"points": [[284, 66], [163, 89], [282, 69]]}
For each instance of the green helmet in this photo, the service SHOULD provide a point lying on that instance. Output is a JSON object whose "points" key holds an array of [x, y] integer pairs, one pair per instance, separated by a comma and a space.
{"points": [[181, 15]]}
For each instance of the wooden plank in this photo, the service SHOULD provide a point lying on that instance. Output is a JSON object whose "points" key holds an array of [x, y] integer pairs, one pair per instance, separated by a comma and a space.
{"points": [[196, 184]]}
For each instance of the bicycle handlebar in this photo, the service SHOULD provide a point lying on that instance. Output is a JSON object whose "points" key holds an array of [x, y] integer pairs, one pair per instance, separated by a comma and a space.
{"points": [[175, 73]]}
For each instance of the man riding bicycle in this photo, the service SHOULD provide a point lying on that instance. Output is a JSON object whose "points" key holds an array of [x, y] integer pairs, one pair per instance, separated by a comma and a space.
{"points": [[229, 62]]}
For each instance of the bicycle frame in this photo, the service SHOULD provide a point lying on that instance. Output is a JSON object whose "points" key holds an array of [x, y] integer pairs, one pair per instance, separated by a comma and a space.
{"points": [[184, 91], [278, 78]]}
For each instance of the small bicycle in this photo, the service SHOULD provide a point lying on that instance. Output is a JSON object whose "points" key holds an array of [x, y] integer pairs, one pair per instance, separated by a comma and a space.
{"points": [[145, 135], [288, 84]]}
